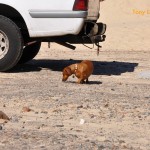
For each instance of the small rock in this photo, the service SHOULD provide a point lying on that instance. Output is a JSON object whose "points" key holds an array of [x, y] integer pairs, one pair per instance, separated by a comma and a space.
{"points": [[139, 116], [101, 147], [102, 138], [147, 97], [82, 121], [121, 141], [124, 146], [42, 146], [87, 107], [3, 116], [92, 116], [43, 125], [26, 109], [78, 107], [144, 75], [44, 112], [2, 121], [1, 127], [78, 130], [14, 119], [106, 105], [60, 126]]}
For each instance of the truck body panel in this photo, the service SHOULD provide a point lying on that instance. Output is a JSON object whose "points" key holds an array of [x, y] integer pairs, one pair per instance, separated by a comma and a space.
{"points": [[47, 26]]}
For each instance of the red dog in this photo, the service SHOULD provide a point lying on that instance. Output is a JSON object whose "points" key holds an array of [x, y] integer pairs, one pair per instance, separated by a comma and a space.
{"points": [[81, 70]]}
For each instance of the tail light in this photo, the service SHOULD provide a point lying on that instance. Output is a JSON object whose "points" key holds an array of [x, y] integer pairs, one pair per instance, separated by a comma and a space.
{"points": [[80, 5]]}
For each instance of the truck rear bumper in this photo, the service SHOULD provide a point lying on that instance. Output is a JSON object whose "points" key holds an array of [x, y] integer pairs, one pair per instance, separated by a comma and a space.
{"points": [[94, 35], [89, 35]]}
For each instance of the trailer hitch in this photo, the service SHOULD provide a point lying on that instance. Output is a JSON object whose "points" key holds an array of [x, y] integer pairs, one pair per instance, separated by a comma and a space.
{"points": [[95, 32]]}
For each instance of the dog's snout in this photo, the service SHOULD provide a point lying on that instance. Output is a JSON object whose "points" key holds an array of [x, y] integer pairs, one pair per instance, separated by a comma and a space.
{"points": [[63, 80]]}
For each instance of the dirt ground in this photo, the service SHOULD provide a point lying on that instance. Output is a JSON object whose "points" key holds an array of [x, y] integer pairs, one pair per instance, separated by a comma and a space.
{"points": [[112, 112]]}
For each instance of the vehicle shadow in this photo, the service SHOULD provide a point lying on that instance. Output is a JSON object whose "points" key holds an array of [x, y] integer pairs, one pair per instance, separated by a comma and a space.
{"points": [[100, 67]]}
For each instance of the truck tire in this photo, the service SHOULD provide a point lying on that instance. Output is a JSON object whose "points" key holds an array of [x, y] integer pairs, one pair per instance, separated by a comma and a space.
{"points": [[11, 44], [29, 52]]}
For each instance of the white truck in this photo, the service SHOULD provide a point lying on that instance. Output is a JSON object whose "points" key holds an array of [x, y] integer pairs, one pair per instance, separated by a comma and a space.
{"points": [[24, 24]]}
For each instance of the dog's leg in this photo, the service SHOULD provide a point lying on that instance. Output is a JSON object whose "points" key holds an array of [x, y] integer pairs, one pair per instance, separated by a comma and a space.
{"points": [[87, 81], [80, 81]]}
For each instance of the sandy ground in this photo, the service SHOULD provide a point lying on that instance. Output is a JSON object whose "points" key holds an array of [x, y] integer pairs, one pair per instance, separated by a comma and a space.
{"points": [[112, 112]]}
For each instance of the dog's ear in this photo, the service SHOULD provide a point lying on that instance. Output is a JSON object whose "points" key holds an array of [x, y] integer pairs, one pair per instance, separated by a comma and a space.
{"points": [[67, 71]]}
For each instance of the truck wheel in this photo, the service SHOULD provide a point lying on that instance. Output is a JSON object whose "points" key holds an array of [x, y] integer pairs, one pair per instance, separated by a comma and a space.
{"points": [[29, 52], [11, 44]]}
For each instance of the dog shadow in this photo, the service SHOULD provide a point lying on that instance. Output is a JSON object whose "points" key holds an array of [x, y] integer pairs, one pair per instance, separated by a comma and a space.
{"points": [[100, 67], [89, 83]]}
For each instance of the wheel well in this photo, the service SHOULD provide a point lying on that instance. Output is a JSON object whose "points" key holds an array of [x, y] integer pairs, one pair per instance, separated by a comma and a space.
{"points": [[16, 17]]}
